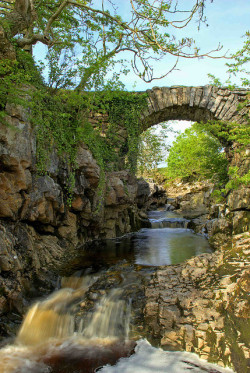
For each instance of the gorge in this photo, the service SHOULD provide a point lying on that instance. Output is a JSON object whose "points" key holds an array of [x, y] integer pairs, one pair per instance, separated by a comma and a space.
{"points": [[198, 306]]}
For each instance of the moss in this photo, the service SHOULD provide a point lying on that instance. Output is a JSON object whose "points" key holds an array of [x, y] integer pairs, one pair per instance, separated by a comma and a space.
{"points": [[237, 355], [211, 339]]}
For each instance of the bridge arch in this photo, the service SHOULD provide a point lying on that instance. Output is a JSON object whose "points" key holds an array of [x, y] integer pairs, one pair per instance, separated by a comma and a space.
{"points": [[195, 104]]}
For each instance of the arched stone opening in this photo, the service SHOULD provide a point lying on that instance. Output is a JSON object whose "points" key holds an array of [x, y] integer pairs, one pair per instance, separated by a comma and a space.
{"points": [[194, 104]]}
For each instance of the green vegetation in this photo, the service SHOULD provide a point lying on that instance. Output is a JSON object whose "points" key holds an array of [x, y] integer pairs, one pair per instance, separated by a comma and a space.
{"points": [[61, 119], [13, 75], [125, 110], [84, 40], [227, 133], [83, 43], [199, 155]]}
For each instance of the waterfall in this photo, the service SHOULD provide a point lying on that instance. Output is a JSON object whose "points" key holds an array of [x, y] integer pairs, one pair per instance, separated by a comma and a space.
{"points": [[169, 223], [110, 318], [55, 316], [50, 340]]}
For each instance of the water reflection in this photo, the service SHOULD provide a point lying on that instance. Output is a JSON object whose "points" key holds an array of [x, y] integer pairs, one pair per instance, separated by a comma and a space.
{"points": [[51, 341], [155, 247], [167, 246]]}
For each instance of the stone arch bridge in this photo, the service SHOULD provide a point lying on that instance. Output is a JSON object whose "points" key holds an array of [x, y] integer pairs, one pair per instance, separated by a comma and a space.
{"points": [[195, 104], [187, 103]]}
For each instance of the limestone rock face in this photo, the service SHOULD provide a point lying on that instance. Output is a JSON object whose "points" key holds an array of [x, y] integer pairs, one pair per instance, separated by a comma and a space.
{"points": [[87, 166], [193, 199], [44, 201], [16, 146], [39, 232], [239, 199]]}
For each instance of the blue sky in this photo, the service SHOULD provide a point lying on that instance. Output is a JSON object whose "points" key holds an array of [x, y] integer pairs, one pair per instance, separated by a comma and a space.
{"points": [[228, 21]]}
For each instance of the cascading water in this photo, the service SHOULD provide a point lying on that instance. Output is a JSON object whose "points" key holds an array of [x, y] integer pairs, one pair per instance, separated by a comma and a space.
{"points": [[110, 319], [49, 339], [54, 317], [56, 337], [167, 219], [169, 223]]}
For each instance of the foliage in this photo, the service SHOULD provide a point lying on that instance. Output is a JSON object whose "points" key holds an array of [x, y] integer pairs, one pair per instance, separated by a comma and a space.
{"points": [[61, 122], [125, 110], [235, 137], [152, 149], [84, 37], [234, 133], [227, 133], [198, 154], [235, 179], [14, 75]]}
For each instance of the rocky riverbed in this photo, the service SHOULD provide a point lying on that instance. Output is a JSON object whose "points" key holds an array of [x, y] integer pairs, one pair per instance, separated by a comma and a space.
{"points": [[202, 305]]}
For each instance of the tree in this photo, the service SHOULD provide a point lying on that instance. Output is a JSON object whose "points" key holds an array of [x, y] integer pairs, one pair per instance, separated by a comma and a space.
{"points": [[84, 36], [198, 154], [152, 149]]}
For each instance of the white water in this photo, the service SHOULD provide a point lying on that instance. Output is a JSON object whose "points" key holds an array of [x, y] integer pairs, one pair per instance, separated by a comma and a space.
{"points": [[50, 339], [148, 359], [110, 319]]}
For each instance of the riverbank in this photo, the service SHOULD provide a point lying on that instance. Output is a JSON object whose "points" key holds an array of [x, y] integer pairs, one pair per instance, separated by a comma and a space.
{"points": [[202, 305]]}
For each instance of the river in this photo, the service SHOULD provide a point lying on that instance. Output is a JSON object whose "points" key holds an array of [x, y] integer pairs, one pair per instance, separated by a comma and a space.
{"points": [[80, 330]]}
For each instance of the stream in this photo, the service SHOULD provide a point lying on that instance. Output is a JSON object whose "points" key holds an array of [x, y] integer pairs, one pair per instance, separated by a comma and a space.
{"points": [[88, 324]]}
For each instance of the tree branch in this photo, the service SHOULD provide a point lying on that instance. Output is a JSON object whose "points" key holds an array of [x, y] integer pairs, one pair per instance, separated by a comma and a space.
{"points": [[33, 40], [55, 16]]}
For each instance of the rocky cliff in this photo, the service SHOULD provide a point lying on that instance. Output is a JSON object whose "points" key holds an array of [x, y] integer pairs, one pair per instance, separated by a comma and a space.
{"points": [[202, 305], [39, 232], [219, 221]]}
